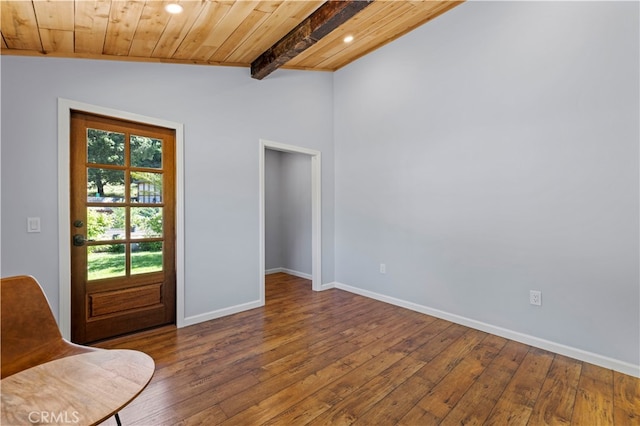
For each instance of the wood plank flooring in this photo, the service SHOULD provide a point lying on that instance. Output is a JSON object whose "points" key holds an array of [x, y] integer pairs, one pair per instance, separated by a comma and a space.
{"points": [[335, 358]]}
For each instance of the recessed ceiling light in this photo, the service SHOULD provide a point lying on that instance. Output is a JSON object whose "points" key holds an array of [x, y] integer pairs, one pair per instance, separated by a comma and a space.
{"points": [[173, 8], [348, 39]]}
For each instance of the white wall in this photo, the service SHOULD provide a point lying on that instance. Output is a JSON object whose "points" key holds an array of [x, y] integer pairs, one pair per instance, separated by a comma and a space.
{"points": [[493, 151], [296, 205], [224, 112], [288, 211], [272, 210]]}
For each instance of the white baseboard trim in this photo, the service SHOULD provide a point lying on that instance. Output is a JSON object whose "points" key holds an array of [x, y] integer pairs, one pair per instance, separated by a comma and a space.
{"points": [[288, 271], [328, 286], [195, 319], [579, 354]]}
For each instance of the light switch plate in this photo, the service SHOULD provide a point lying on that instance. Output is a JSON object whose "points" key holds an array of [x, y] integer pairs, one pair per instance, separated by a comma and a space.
{"points": [[33, 224]]}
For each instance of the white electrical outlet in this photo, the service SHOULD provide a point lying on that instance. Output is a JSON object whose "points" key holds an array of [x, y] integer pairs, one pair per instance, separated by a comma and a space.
{"points": [[535, 297], [383, 268]]}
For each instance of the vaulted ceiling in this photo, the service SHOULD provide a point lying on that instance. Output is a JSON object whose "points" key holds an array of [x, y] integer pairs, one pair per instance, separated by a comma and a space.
{"points": [[209, 32]]}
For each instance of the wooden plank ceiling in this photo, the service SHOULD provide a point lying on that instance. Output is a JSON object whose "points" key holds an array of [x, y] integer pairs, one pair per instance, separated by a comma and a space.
{"points": [[208, 32]]}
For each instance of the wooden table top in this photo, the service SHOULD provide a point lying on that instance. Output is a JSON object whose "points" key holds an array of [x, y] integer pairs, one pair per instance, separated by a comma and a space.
{"points": [[82, 389]]}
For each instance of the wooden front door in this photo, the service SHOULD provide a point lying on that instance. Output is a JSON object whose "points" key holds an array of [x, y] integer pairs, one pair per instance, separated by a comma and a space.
{"points": [[122, 227]]}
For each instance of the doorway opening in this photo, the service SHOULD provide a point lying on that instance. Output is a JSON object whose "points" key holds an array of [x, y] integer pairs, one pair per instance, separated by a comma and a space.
{"points": [[316, 208]]}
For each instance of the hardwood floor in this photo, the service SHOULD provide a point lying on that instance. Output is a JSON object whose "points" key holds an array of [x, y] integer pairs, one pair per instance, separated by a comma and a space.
{"points": [[332, 358]]}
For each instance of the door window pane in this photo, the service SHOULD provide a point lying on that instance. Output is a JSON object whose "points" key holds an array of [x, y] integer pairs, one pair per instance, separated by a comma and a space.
{"points": [[146, 187], [104, 147], [146, 152], [106, 223], [146, 222], [146, 257], [105, 185], [106, 261]]}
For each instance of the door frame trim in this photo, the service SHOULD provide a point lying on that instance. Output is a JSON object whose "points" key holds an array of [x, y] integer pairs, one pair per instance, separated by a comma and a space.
{"points": [[316, 211], [64, 228]]}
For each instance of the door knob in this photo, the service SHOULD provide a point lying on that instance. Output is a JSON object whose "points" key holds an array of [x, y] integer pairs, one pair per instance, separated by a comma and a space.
{"points": [[78, 240]]}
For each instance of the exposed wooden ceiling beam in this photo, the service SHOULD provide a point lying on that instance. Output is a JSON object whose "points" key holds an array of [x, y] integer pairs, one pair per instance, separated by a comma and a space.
{"points": [[325, 19]]}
